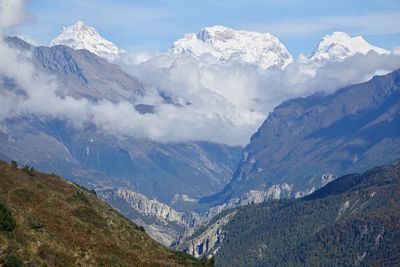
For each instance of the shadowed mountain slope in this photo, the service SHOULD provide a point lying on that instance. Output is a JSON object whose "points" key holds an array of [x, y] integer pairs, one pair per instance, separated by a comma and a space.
{"points": [[306, 142], [352, 221]]}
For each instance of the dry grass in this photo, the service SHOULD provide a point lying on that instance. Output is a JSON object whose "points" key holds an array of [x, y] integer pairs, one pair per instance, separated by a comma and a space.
{"points": [[61, 224]]}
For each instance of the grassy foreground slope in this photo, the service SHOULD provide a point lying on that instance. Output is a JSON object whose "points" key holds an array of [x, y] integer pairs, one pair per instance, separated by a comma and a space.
{"points": [[47, 221]]}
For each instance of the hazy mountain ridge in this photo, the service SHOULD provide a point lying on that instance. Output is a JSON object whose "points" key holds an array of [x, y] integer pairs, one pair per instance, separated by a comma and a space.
{"points": [[81, 75], [304, 139]]}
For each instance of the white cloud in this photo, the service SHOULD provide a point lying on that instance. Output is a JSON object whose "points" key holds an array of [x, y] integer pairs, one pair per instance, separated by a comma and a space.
{"points": [[12, 12], [213, 101], [169, 123], [222, 103], [237, 97], [396, 50]]}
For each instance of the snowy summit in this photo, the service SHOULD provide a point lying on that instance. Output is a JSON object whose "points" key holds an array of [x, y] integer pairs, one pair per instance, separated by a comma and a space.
{"points": [[261, 49], [339, 46], [82, 36]]}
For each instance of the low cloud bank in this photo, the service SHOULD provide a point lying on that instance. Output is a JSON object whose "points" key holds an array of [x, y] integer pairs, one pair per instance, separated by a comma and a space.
{"points": [[209, 100], [242, 95]]}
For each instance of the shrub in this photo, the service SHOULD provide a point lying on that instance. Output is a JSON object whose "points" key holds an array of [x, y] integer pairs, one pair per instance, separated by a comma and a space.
{"points": [[24, 194], [34, 223], [112, 261], [28, 170], [54, 257], [79, 197], [13, 261], [14, 164], [89, 215], [7, 221]]}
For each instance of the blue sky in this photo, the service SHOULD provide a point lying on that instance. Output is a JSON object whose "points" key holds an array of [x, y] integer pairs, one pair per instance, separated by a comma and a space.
{"points": [[155, 24]]}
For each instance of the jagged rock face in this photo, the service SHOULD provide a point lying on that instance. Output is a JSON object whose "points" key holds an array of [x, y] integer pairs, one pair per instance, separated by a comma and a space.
{"points": [[205, 237], [207, 241], [275, 192], [304, 139], [161, 222], [153, 207], [224, 44], [82, 36]]}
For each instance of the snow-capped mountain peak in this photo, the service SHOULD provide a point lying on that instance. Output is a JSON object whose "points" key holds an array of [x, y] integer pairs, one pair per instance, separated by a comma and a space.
{"points": [[82, 36], [223, 43], [339, 45]]}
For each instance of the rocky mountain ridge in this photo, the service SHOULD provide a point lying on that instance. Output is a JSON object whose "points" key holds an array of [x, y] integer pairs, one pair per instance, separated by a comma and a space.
{"points": [[307, 141], [225, 44]]}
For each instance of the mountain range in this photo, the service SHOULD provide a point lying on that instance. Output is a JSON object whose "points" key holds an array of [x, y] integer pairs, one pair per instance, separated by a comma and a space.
{"points": [[173, 189], [226, 44], [102, 161]]}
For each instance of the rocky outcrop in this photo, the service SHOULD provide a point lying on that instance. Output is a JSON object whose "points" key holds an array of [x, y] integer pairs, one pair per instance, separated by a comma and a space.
{"points": [[195, 233], [275, 192], [151, 207], [162, 222], [205, 240]]}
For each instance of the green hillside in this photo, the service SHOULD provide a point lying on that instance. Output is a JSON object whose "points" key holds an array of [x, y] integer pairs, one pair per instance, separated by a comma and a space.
{"points": [[352, 221], [47, 221]]}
